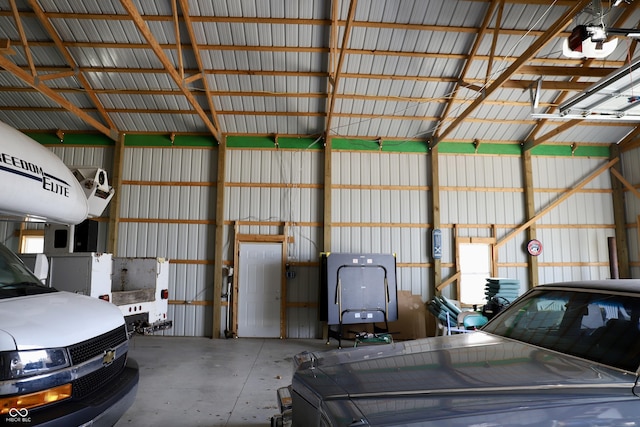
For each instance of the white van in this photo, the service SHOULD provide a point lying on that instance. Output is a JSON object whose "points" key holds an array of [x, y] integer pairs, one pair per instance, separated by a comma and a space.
{"points": [[63, 356]]}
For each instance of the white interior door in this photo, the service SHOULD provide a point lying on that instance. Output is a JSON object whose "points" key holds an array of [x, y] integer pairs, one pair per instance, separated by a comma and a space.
{"points": [[259, 290]]}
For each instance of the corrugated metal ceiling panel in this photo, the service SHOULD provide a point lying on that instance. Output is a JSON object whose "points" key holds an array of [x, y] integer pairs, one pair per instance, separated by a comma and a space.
{"points": [[25, 100], [593, 133], [278, 47], [124, 81], [51, 120], [108, 58], [82, 6]]}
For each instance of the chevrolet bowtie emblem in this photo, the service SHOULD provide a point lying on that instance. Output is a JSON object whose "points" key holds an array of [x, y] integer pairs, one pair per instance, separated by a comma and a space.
{"points": [[108, 357]]}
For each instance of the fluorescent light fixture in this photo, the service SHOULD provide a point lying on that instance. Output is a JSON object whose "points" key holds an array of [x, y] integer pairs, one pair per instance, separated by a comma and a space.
{"points": [[595, 117], [615, 95]]}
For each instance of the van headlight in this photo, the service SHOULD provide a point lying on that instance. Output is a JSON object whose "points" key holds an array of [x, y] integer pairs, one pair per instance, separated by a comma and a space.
{"points": [[17, 364]]}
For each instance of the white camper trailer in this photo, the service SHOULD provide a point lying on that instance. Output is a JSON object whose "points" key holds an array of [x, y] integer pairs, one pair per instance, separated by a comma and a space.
{"points": [[63, 356]]}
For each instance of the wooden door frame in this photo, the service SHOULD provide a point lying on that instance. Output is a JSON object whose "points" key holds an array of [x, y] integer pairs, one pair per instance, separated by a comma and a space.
{"points": [[259, 238]]}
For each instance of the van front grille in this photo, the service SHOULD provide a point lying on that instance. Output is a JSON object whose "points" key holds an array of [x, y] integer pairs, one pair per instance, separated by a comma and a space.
{"points": [[94, 381], [96, 346]]}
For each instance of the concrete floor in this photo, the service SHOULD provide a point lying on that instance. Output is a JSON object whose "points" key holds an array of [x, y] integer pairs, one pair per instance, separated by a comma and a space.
{"points": [[205, 382]]}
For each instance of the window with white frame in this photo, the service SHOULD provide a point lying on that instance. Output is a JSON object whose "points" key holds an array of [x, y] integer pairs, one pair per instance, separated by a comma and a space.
{"points": [[32, 243], [475, 260]]}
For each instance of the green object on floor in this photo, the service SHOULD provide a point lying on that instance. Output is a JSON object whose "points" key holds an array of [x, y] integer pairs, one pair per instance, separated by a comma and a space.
{"points": [[369, 338]]}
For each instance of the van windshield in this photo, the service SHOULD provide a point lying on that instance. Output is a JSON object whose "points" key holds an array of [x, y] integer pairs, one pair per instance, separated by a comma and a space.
{"points": [[15, 279]]}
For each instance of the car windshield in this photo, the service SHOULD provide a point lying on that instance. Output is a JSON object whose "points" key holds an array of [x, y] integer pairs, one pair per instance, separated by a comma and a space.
{"points": [[594, 326], [15, 279]]}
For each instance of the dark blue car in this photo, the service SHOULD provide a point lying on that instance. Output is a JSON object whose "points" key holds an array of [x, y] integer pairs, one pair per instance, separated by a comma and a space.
{"points": [[564, 354]]}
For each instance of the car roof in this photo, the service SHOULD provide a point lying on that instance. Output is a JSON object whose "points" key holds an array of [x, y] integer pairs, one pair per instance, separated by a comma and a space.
{"points": [[619, 285]]}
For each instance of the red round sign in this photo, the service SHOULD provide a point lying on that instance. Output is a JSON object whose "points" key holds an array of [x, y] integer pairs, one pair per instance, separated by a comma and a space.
{"points": [[534, 247]]}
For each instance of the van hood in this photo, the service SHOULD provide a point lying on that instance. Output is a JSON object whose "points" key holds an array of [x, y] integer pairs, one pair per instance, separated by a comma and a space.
{"points": [[56, 319]]}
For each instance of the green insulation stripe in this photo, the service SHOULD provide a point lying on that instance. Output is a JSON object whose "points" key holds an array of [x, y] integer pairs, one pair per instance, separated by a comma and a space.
{"points": [[565, 151], [483, 148], [345, 144], [516, 149], [384, 145], [355, 144], [301, 143], [311, 143], [315, 143], [291, 143], [251, 142], [163, 140], [405, 146], [97, 139], [130, 140]]}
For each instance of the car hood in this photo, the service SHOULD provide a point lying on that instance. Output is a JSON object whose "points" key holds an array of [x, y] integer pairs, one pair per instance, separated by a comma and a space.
{"points": [[467, 371], [56, 319], [457, 363]]}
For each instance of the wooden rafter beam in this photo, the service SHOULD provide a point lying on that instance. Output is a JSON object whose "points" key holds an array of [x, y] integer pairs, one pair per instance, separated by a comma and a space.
{"points": [[44, 21], [23, 37], [55, 97], [5, 47], [338, 70], [494, 41], [572, 85], [626, 183], [193, 78], [449, 281], [53, 76], [333, 42], [542, 41], [176, 30], [169, 68], [566, 71], [184, 5], [548, 85], [631, 140], [528, 145], [476, 44]]}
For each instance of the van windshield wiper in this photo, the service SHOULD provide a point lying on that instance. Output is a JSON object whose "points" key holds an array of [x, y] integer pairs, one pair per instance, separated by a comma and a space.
{"points": [[18, 289]]}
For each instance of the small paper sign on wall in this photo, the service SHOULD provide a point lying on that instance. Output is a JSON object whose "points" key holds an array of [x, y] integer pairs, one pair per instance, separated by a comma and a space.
{"points": [[437, 243]]}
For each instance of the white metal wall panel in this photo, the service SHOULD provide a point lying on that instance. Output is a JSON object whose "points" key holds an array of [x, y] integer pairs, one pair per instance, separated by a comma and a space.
{"points": [[481, 170], [189, 284], [286, 185], [168, 210], [281, 186], [631, 172], [101, 157], [481, 191], [381, 204], [274, 204], [167, 202], [192, 242], [302, 322], [575, 232]]}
